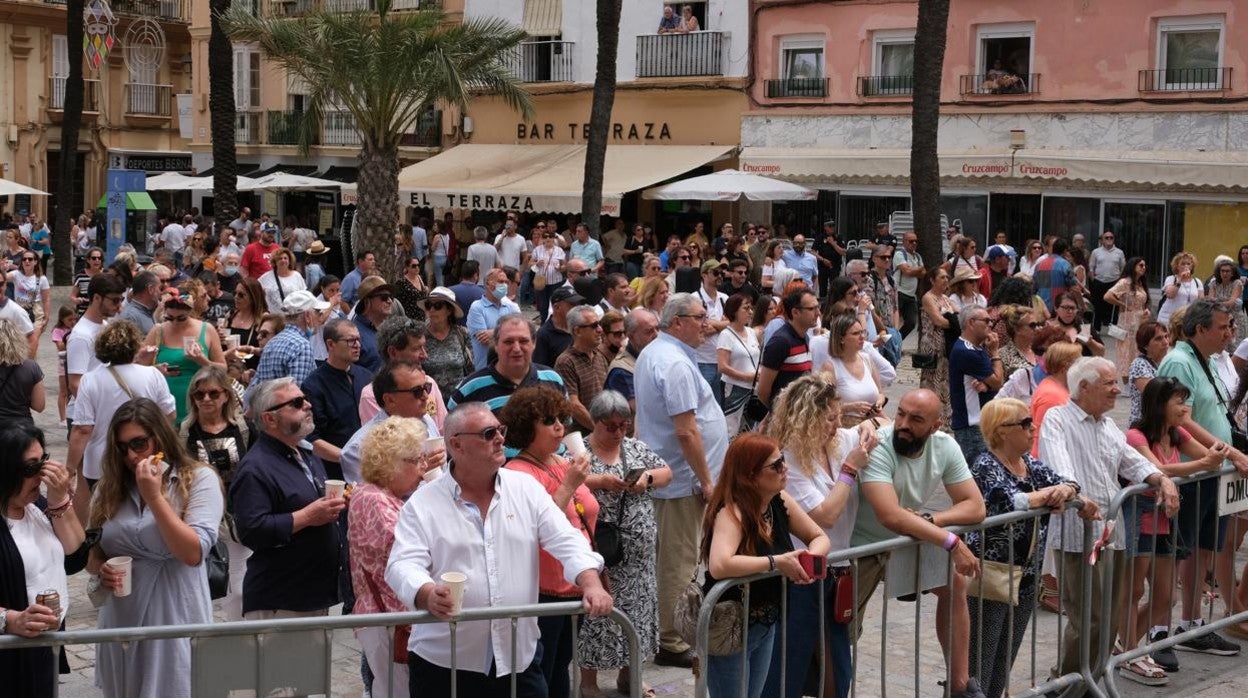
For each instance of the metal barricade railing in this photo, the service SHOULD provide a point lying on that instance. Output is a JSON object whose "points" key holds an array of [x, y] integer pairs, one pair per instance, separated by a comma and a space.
{"points": [[201, 636], [1081, 677], [1106, 661]]}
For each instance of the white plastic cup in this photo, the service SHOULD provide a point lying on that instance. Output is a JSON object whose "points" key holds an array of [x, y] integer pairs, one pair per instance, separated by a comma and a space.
{"points": [[432, 445], [455, 581], [187, 343], [231, 341], [335, 488], [123, 565], [574, 443]]}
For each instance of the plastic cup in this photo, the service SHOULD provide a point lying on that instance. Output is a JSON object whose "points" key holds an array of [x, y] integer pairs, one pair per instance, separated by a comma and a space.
{"points": [[187, 343], [335, 488], [433, 444], [455, 581], [574, 443], [231, 341], [123, 565]]}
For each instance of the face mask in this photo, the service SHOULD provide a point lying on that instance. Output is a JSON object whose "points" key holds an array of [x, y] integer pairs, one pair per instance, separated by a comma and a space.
{"points": [[231, 270], [799, 248], [500, 290]]}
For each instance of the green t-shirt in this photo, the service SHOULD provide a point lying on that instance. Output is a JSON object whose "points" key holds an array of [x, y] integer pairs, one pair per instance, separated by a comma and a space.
{"points": [[1183, 365], [914, 479]]}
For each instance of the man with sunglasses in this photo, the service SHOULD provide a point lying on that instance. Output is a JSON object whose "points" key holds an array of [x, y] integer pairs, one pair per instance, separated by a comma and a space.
{"points": [[908, 269], [1105, 265], [105, 294], [282, 511], [975, 376], [402, 339], [582, 366], [707, 351], [555, 336], [404, 391], [334, 390], [375, 304]]}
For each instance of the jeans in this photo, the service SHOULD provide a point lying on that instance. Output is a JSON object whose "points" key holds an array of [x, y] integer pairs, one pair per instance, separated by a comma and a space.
{"points": [[556, 642], [734, 405], [525, 294], [803, 643], [908, 308], [891, 350], [723, 672], [439, 262], [971, 441], [542, 300], [711, 373]]}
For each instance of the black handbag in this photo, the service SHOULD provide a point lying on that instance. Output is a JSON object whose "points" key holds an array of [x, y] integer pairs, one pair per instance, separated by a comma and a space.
{"points": [[1239, 439], [217, 565]]}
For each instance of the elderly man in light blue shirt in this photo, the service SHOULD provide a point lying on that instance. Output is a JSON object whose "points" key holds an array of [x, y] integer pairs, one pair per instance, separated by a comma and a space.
{"points": [[587, 250], [679, 418], [484, 313], [802, 261]]}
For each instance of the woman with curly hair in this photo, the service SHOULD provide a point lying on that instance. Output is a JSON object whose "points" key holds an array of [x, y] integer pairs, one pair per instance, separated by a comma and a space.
{"points": [[535, 419], [1181, 288], [161, 508], [824, 460], [1227, 287], [1020, 325]]}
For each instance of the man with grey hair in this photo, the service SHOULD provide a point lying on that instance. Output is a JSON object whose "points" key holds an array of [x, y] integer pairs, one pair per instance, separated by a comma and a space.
{"points": [[1207, 326], [1081, 443], [484, 313], [975, 376], [641, 326], [282, 511], [289, 353], [482, 252], [402, 339], [679, 419], [582, 366]]}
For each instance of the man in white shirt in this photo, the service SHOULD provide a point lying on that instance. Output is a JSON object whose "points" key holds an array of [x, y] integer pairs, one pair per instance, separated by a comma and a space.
{"points": [[420, 240], [172, 236], [511, 246], [486, 523]]}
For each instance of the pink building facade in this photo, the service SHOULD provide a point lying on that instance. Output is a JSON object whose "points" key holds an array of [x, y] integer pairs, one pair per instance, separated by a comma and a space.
{"points": [[1072, 116]]}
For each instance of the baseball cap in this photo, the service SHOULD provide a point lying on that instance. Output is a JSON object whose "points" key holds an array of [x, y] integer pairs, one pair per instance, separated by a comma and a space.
{"points": [[302, 301], [565, 294], [713, 264], [997, 251]]}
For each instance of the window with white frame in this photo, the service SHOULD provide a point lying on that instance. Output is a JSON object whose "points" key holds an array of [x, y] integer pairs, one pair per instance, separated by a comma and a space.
{"points": [[246, 77], [60, 70], [1004, 58], [801, 66], [892, 63], [1189, 53]]}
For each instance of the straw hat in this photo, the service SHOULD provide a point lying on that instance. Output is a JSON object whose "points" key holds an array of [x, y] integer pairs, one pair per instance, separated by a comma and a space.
{"points": [[963, 274], [316, 248]]}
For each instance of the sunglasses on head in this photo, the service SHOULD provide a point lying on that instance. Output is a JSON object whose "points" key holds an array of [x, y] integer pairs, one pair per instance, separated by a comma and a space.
{"points": [[295, 402], [138, 444], [33, 467]]}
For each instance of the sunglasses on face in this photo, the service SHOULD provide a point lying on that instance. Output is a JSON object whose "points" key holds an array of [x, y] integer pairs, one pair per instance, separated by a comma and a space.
{"points": [[437, 306], [777, 465], [295, 402], [138, 444], [616, 333], [1025, 422], [213, 395], [28, 259], [33, 467], [418, 392], [1067, 307], [489, 433], [414, 265], [550, 419], [383, 297], [95, 258]]}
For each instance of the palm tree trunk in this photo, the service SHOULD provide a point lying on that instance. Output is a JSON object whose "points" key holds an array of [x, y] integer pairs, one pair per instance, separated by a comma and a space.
{"points": [[929, 59], [600, 112], [68, 200], [377, 214], [222, 108]]}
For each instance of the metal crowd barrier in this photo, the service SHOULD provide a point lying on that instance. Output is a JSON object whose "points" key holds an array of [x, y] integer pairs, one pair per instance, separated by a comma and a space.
{"points": [[301, 663], [1106, 661], [1073, 680]]}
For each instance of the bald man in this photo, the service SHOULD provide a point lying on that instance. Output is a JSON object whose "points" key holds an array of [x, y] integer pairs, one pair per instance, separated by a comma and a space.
{"points": [[913, 459]]}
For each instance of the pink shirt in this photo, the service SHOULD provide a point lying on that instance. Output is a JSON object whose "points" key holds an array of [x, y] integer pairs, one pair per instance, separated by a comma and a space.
{"points": [[372, 516], [550, 579], [369, 407], [1049, 394]]}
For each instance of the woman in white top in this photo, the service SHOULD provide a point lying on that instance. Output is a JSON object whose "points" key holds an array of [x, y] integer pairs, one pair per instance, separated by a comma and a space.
{"points": [[1181, 288], [548, 262], [282, 280], [1031, 254], [738, 353], [33, 545], [30, 287], [857, 381], [439, 249], [772, 262], [963, 290], [688, 22], [824, 460]]}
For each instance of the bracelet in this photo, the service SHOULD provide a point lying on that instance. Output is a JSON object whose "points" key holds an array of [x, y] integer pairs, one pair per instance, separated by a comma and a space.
{"points": [[62, 506], [771, 563], [951, 542], [847, 479], [849, 469]]}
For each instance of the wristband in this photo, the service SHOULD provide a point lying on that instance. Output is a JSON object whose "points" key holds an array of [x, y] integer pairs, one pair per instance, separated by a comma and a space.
{"points": [[951, 542], [63, 505], [847, 479], [771, 563], [848, 468]]}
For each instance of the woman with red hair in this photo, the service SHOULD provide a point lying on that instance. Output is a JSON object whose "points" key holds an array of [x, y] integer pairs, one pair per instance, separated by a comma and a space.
{"points": [[746, 531]]}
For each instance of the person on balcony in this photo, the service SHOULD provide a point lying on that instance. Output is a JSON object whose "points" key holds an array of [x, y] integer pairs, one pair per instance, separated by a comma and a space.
{"points": [[670, 24], [688, 23]]}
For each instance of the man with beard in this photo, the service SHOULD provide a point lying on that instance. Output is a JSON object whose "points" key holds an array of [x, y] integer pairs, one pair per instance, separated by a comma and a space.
{"points": [[914, 458], [255, 262], [283, 513]]}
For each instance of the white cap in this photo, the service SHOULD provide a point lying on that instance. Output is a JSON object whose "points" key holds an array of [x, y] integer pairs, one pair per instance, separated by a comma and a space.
{"points": [[302, 301]]}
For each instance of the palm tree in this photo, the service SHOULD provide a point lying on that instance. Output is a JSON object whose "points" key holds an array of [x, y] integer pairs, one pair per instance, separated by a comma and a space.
{"points": [[929, 60], [384, 71], [67, 199], [221, 106], [600, 113]]}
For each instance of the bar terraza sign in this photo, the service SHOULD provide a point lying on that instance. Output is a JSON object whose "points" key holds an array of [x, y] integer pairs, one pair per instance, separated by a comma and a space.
{"points": [[645, 131]]}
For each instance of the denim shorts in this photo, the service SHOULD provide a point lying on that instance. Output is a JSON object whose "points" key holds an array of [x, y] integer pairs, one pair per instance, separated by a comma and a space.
{"points": [[1135, 512]]}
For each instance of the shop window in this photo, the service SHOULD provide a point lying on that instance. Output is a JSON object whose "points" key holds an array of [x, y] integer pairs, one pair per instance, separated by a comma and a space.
{"points": [[1140, 231], [1189, 53], [1004, 61], [892, 64], [1064, 216], [859, 214]]}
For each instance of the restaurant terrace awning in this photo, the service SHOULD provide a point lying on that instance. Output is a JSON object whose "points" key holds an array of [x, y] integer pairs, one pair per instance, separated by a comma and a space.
{"points": [[542, 178], [1190, 171]]}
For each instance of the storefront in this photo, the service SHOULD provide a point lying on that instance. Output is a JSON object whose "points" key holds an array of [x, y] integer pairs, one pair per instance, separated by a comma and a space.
{"points": [[1156, 203]]}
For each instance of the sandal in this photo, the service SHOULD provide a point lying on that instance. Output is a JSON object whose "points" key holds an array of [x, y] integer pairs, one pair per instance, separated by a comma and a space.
{"points": [[624, 686], [1143, 670]]}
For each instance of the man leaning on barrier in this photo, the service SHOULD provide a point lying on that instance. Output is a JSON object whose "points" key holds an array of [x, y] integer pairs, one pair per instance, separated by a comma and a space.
{"points": [[912, 459], [486, 524], [1080, 442]]}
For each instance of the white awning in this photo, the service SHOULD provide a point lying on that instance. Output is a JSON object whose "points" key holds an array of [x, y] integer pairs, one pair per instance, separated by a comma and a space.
{"points": [[542, 178], [1195, 171], [543, 17]]}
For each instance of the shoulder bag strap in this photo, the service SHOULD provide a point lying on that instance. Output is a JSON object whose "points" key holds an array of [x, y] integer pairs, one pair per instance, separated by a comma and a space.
{"points": [[120, 381], [1204, 365]]}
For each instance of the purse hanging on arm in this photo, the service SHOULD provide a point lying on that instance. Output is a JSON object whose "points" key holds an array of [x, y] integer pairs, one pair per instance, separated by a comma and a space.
{"points": [[754, 411]]}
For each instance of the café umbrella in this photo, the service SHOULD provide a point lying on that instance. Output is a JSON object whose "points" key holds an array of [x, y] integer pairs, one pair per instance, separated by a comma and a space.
{"points": [[10, 188], [730, 185]]}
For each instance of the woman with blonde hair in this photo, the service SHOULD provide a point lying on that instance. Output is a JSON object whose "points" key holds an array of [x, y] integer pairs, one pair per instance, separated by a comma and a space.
{"points": [[824, 459], [194, 290], [372, 516], [21, 378], [1052, 390], [654, 293], [1181, 288], [161, 508], [650, 268], [853, 371], [282, 280], [1032, 252]]}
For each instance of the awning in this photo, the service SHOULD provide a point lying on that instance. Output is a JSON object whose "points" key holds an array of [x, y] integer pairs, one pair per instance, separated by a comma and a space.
{"points": [[543, 17], [542, 178], [242, 168], [1192, 171], [340, 173], [135, 201], [8, 187], [301, 170]]}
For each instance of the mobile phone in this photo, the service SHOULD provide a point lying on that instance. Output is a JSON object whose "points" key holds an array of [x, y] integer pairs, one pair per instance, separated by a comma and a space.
{"points": [[815, 566], [633, 476]]}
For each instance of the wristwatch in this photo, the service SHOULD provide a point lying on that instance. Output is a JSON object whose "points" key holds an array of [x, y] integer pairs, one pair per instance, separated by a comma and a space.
{"points": [[928, 517]]}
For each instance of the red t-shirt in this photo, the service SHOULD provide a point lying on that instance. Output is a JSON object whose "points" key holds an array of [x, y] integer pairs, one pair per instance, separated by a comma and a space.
{"points": [[255, 259]]}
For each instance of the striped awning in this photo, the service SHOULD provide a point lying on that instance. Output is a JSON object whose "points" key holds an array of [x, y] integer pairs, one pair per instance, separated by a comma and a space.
{"points": [[543, 17]]}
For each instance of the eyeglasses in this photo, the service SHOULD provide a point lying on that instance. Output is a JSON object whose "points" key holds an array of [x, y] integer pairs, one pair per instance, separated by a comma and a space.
{"points": [[1068, 307], [199, 395], [699, 318], [295, 402], [776, 465], [33, 467], [489, 433], [352, 341], [616, 427], [138, 444], [417, 392], [808, 307], [1025, 422]]}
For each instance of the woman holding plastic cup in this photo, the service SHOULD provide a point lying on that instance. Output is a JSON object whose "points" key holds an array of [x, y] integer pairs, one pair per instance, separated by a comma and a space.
{"points": [[160, 511], [535, 419], [373, 514], [33, 545]]}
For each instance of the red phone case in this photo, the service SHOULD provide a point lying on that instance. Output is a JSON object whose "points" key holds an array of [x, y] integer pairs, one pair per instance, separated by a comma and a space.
{"points": [[807, 561]]}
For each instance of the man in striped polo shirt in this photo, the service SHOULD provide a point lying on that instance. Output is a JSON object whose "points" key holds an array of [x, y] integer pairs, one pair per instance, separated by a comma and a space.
{"points": [[787, 354], [494, 384]]}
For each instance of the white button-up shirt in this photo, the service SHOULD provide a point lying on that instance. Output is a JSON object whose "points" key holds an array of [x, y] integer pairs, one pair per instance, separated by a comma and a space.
{"points": [[439, 531], [1093, 453]]}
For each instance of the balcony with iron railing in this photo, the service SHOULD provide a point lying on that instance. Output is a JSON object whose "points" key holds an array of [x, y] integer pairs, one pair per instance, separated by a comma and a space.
{"points": [[338, 129], [797, 87], [149, 100], [282, 127], [1000, 85], [167, 10], [1185, 79], [885, 85], [681, 55], [541, 61], [90, 94], [295, 8], [247, 128]]}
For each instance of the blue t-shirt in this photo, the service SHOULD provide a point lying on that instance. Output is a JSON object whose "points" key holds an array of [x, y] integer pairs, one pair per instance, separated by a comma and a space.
{"points": [[968, 363]]}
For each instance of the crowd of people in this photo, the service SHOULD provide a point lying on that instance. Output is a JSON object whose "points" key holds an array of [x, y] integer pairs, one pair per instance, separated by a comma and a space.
{"points": [[603, 420]]}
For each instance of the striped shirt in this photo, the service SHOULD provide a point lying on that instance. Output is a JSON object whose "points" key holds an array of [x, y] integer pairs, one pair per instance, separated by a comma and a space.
{"points": [[494, 389], [1093, 453], [788, 353]]}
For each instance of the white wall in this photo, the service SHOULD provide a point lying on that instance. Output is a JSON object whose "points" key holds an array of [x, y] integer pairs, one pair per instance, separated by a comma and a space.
{"points": [[637, 17]]}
